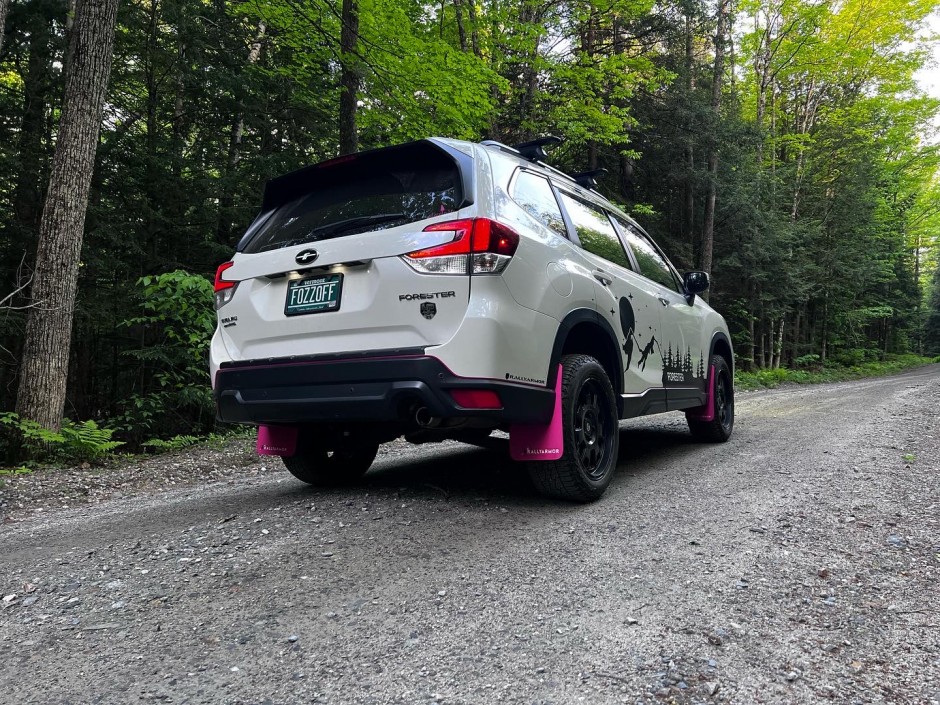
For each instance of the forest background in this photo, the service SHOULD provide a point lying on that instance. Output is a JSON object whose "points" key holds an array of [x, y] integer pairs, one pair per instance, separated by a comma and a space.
{"points": [[783, 145]]}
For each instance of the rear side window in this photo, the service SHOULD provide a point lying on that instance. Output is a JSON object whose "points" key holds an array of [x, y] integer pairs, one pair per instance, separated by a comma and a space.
{"points": [[363, 193], [595, 231], [651, 263], [533, 193]]}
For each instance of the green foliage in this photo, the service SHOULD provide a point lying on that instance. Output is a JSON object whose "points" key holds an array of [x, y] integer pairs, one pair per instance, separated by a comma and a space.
{"points": [[806, 360], [28, 433], [75, 442], [12, 472], [175, 328], [86, 442], [175, 443], [932, 324], [763, 378], [771, 378], [215, 439]]}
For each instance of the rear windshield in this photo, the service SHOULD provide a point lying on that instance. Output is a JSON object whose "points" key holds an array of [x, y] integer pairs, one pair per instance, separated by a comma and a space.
{"points": [[363, 193]]}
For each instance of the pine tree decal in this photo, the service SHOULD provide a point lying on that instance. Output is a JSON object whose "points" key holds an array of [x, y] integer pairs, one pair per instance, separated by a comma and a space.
{"points": [[701, 366]]}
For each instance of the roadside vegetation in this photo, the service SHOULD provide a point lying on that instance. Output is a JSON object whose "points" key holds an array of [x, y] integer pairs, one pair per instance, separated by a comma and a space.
{"points": [[768, 379], [785, 147]]}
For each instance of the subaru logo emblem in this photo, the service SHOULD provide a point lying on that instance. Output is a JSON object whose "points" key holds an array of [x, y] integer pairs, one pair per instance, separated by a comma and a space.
{"points": [[306, 256]]}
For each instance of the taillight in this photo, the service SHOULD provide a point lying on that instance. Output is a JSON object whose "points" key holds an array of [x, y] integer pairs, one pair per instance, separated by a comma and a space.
{"points": [[224, 288], [480, 246]]}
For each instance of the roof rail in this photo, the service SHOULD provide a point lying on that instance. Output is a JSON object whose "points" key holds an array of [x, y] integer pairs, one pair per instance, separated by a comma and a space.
{"points": [[589, 179], [500, 146], [534, 150], [530, 152]]}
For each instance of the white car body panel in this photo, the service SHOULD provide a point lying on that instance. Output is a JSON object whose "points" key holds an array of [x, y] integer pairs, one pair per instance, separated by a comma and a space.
{"points": [[499, 337]]}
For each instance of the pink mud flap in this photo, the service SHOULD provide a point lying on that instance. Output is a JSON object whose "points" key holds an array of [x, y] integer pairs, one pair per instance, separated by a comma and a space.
{"points": [[277, 440], [539, 441], [707, 412]]}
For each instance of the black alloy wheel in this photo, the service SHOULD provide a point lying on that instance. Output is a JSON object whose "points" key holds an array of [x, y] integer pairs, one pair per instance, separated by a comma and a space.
{"points": [[329, 462], [724, 400], [590, 432], [719, 429]]}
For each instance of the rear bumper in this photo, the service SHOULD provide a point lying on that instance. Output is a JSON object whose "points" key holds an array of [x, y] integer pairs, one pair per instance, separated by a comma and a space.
{"points": [[372, 389]]}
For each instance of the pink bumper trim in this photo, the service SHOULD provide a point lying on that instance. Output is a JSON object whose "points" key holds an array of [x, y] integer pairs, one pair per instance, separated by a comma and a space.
{"points": [[539, 441], [277, 440]]}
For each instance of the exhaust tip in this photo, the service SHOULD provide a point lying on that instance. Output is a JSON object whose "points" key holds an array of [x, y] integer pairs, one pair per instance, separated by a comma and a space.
{"points": [[424, 418]]}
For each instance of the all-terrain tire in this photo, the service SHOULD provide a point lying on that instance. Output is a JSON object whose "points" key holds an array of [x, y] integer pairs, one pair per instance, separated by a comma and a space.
{"points": [[591, 435], [316, 464], [719, 429]]}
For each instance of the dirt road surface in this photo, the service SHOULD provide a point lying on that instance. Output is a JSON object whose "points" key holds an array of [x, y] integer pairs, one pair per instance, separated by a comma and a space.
{"points": [[798, 563]]}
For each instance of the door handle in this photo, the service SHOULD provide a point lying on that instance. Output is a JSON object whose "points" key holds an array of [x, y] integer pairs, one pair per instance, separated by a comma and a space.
{"points": [[664, 302], [603, 277]]}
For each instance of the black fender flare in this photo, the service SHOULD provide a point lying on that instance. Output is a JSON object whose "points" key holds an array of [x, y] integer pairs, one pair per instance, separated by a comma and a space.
{"points": [[567, 324], [720, 337]]}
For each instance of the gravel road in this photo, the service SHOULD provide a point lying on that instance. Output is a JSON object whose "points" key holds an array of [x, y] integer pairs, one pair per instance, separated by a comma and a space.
{"points": [[798, 563]]}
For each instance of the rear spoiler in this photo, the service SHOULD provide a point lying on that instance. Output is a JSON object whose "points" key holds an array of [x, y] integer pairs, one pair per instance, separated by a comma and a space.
{"points": [[290, 187]]}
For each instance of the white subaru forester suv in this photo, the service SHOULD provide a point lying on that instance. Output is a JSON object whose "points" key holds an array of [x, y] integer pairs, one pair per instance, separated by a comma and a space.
{"points": [[443, 289]]}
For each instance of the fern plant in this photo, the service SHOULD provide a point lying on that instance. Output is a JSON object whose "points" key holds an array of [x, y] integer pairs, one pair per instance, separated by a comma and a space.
{"points": [[175, 443], [86, 442], [75, 442]]}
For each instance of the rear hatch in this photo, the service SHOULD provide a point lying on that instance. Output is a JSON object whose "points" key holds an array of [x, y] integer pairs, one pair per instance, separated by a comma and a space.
{"points": [[320, 269]]}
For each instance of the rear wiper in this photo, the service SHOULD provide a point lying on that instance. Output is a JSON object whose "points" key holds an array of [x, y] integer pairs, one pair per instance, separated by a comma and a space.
{"points": [[333, 229], [350, 223]]}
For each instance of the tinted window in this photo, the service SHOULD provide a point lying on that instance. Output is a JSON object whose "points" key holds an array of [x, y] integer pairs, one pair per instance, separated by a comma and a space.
{"points": [[533, 193], [651, 263], [595, 231], [374, 192]]}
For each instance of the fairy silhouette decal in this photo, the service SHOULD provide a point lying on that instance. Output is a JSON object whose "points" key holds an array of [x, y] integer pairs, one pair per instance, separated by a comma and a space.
{"points": [[646, 352], [628, 325]]}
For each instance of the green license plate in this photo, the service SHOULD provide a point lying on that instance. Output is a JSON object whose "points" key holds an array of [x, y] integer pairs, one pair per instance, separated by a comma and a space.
{"points": [[314, 294]]}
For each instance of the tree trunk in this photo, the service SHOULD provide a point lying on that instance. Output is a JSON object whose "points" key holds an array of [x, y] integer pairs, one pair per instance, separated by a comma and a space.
{"points": [[31, 152], [588, 40], [752, 334], [225, 223], [3, 19], [778, 346], [44, 369], [688, 209], [474, 35], [461, 30], [762, 65], [708, 229], [795, 336], [349, 78]]}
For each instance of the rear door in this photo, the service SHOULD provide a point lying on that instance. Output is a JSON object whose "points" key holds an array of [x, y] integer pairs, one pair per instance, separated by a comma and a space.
{"points": [[625, 301], [321, 271]]}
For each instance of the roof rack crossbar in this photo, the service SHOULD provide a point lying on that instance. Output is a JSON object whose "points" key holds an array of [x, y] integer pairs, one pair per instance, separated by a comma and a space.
{"points": [[589, 179], [534, 150]]}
